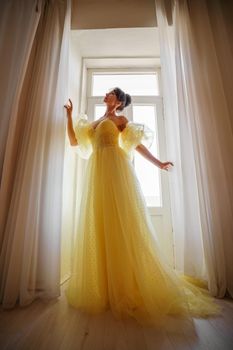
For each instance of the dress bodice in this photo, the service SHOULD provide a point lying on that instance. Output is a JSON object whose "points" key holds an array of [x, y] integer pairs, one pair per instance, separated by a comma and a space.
{"points": [[105, 134]]}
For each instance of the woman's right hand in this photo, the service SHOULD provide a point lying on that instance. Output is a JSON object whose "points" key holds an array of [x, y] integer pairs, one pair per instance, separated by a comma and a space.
{"points": [[69, 108]]}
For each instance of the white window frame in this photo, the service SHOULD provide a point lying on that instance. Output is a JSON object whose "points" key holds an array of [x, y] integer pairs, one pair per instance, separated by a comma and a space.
{"points": [[132, 65]]}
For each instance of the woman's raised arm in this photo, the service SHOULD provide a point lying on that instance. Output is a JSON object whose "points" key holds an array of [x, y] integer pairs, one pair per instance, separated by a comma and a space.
{"points": [[70, 129]]}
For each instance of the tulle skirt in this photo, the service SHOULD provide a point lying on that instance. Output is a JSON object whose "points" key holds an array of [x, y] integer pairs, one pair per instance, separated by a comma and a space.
{"points": [[117, 263]]}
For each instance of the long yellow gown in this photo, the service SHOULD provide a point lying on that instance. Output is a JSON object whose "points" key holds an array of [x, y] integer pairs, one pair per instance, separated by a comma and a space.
{"points": [[117, 262]]}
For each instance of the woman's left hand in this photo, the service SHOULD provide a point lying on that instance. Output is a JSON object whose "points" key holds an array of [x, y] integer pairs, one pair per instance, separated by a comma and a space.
{"points": [[166, 165]]}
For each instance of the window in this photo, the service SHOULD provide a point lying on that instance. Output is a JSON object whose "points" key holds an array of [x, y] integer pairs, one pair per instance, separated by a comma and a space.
{"points": [[144, 88], [135, 84]]}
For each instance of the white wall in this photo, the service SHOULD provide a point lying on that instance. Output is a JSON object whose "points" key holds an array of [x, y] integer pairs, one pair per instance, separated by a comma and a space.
{"points": [[118, 42]]}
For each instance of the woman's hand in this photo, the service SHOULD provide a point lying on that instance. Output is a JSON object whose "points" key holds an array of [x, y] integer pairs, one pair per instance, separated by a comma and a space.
{"points": [[146, 153], [69, 108], [70, 129], [166, 165]]}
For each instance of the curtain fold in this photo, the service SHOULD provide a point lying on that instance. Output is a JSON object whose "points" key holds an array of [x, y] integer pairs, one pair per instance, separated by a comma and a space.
{"points": [[31, 185], [15, 41], [198, 117]]}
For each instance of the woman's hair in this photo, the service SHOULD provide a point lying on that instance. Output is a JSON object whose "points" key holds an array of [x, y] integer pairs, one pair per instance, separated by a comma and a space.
{"points": [[123, 97]]}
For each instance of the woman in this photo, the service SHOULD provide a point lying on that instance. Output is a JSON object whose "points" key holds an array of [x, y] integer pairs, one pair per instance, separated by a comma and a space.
{"points": [[117, 262]]}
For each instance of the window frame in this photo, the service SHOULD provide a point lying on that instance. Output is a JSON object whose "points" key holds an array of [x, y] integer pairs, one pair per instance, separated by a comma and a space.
{"points": [[130, 70]]}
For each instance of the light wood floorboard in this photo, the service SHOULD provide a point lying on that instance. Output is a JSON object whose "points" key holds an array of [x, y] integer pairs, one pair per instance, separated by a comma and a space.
{"points": [[56, 325]]}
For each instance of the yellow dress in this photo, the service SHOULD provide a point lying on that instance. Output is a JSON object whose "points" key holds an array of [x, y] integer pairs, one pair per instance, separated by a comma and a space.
{"points": [[117, 262]]}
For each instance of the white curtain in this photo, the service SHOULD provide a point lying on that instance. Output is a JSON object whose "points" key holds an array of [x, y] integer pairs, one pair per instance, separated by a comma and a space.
{"points": [[74, 167], [197, 63], [32, 147]]}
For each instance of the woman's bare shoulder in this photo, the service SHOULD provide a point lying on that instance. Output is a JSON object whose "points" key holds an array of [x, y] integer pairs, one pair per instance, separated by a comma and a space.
{"points": [[123, 119]]}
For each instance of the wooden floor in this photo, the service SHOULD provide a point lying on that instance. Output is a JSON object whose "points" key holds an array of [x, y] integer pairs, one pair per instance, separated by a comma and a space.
{"points": [[55, 325]]}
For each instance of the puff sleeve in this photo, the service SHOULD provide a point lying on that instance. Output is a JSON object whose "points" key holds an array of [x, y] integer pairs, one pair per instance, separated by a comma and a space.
{"points": [[134, 134], [83, 132]]}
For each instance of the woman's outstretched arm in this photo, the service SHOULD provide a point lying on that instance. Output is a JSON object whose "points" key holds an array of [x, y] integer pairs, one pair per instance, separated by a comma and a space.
{"points": [[70, 129], [149, 156]]}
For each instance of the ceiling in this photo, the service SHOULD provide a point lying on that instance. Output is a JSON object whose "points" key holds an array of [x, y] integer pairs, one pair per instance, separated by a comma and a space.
{"points": [[117, 42]]}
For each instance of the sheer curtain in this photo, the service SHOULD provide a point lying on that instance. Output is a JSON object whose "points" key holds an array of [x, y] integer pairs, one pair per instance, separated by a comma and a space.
{"points": [[15, 53], [32, 147], [197, 61], [74, 167]]}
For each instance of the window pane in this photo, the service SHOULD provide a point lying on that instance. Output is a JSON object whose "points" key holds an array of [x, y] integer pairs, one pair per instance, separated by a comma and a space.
{"points": [[147, 173], [133, 84], [99, 111]]}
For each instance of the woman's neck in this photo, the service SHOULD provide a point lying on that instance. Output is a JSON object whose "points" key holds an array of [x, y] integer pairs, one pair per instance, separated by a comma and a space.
{"points": [[110, 113]]}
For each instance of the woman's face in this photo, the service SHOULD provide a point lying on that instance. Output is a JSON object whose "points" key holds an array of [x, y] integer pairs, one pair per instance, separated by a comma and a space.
{"points": [[111, 99]]}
